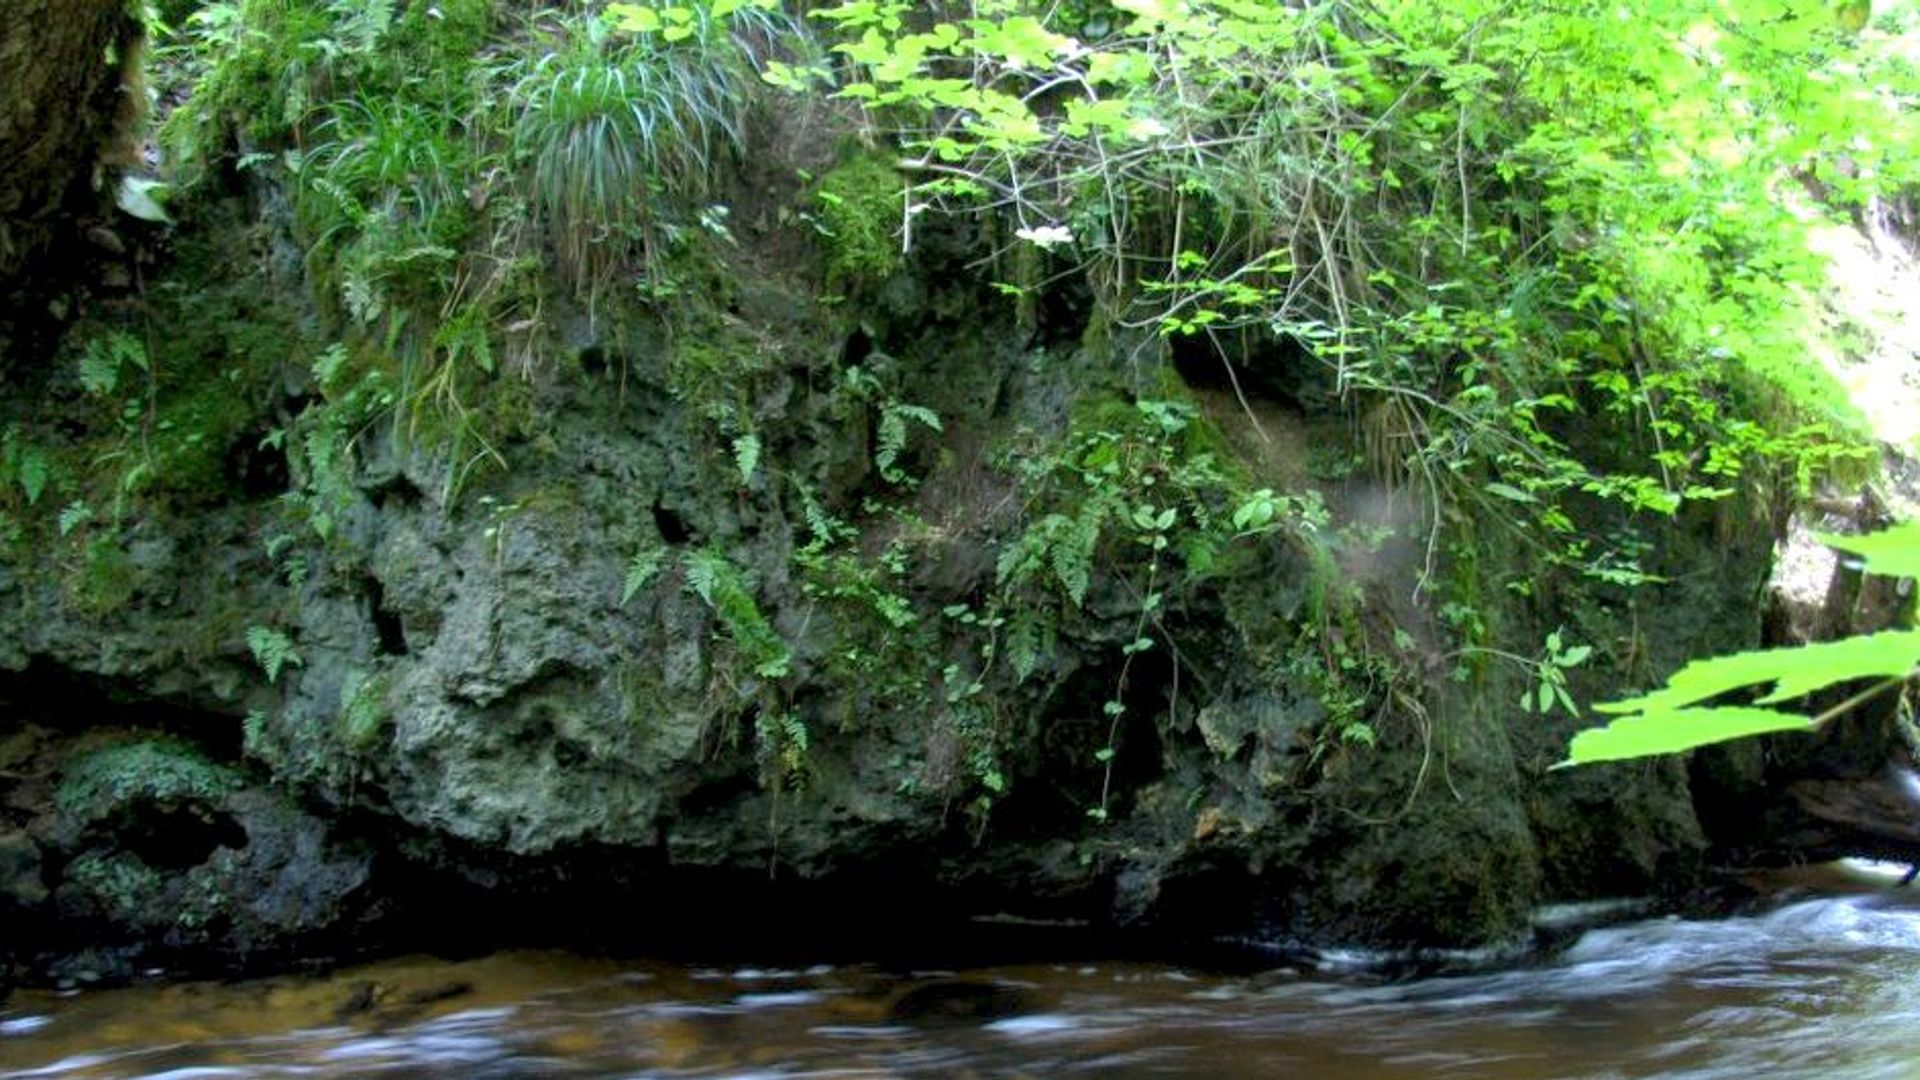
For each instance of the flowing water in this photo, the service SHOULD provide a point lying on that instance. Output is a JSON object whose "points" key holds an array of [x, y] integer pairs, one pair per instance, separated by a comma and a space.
{"points": [[1826, 984]]}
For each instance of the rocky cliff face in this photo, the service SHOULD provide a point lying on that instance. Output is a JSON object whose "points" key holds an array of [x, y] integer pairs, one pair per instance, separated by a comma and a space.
{"points": [[817, 593], [649, 676]]}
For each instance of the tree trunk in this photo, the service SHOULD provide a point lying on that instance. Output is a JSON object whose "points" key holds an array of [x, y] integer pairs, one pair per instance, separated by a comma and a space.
{"points": [[67, 93]]}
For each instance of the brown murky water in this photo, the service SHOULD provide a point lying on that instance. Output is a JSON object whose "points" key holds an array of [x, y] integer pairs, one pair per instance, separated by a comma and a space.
{"points": [[1827, 985]]}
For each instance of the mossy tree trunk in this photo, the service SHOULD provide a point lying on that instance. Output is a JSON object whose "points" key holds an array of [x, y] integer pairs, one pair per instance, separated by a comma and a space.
{"points": [[63, 102]]}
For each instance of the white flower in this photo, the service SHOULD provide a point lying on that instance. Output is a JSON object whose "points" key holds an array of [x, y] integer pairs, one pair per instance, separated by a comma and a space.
{"points": [[1047, 236], [1146, 127]]}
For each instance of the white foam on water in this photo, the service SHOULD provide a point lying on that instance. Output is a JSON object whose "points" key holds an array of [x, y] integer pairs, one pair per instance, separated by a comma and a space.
{"points": [[23, 1025], [778, 1000], [1038, 1024]]}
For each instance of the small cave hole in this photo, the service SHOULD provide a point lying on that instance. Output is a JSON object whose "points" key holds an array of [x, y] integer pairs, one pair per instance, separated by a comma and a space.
{"points": [[387, 627], [177, 837], [1253, 365], [257, 468], [594, 360], [570, 755], [397, 489], [858, 347], [673, 528], [1062, 312]]}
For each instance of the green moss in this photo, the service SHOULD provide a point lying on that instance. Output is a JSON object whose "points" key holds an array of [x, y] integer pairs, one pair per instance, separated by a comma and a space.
{"points": [[714, 374], [122, 886], [160, 770], [445, 38], [104, 580], [206, 894], [858, 206], [364, 713]]}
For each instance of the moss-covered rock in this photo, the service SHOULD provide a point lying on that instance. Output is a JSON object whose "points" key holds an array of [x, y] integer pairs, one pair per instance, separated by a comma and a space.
{"points": [[164, 773], [859, 207], [160, 855]]}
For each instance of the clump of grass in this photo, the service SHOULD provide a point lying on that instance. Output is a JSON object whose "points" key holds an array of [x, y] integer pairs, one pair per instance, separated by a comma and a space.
{"points": [[614, 129]]}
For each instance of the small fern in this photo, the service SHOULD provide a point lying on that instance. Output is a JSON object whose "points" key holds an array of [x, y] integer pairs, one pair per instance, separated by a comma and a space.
{"points": [[33, 474], [74, 515], [24, 464], [891, 439], [1071, 553], [746, 456], [644, 567], [364, 708], [825, 529], [729, 592], [273, 651], [104, 358]]}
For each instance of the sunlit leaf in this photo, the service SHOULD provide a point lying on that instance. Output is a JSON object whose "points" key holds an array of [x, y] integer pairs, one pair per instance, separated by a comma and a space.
{"points": [[1894, 551], [1669, 731], [1792, 672]]}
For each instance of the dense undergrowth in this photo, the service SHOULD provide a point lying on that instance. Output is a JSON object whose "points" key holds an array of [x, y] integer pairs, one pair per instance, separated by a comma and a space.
{"points": [[1543, 268]]}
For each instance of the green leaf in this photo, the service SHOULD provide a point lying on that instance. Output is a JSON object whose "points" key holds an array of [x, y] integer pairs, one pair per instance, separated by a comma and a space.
{"points": [[1507, 491], [746, 456], [272, 650], [1793, 672], [642, 569], [74, 515], [1668, 731], [1565, 699], [99, 371], [140, 197], [633, 18], [33, 473], [1894, 552]]}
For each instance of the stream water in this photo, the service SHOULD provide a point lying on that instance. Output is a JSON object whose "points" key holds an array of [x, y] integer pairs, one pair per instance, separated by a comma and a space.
{"points": [[1824, 983]]}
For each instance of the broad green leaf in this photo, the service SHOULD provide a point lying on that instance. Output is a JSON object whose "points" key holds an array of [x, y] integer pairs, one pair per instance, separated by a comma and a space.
{"points": [[1794, 672], [1022, 41], [1894, 551], [1508, 491], [633, 18], [140, 196], [1669, 731]]}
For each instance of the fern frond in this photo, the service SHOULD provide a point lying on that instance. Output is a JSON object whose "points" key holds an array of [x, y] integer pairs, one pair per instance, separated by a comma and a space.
{"points": [[746, 456], [891, 438], [645, 566], [272, 650]]}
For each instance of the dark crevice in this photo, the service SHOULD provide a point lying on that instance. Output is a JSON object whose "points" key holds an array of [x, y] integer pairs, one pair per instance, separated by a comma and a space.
{"points": [[673, 528], [1062, 313], [64, 700], [395, 489], [594, 361], [176, 837], [391, 634], [1256, 366], [257, 468], [855, 352]]}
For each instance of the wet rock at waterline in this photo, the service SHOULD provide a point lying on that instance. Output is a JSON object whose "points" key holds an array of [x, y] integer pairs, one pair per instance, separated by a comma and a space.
{"points": [[147, 853]]}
